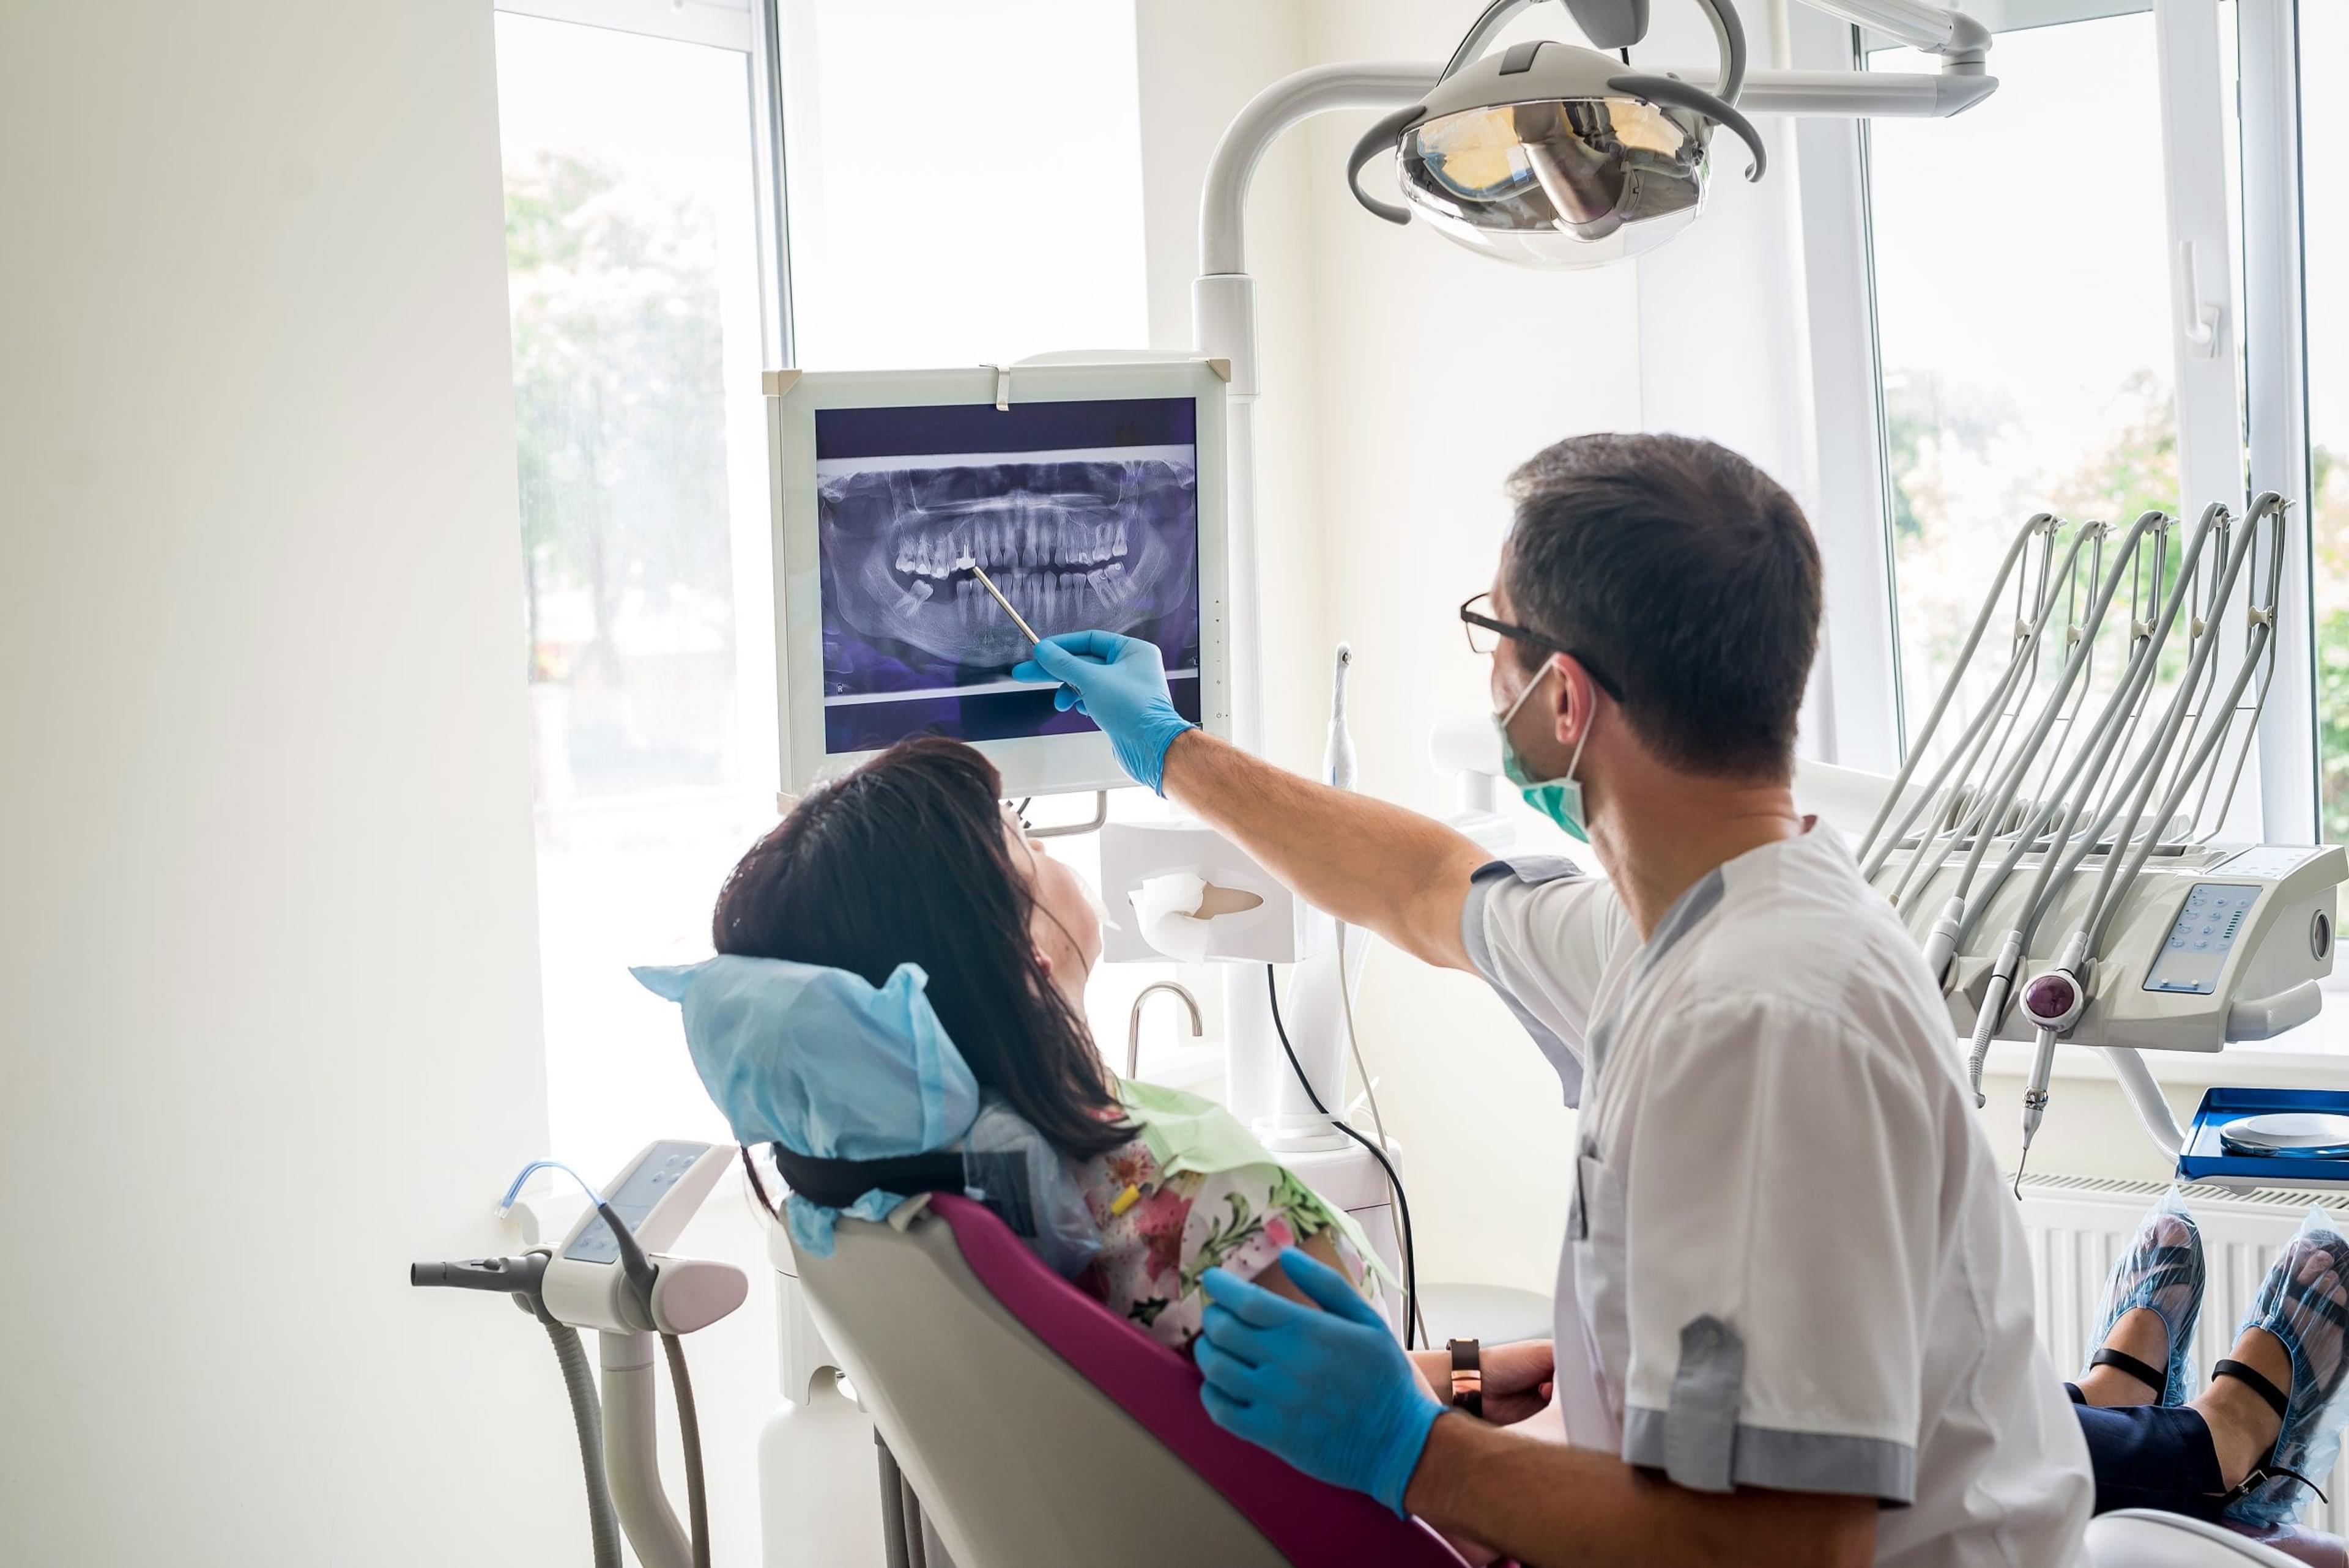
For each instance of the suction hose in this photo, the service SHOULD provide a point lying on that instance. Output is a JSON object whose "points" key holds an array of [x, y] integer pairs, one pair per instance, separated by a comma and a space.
{"points": [[688, 1427], [587, 1415]]}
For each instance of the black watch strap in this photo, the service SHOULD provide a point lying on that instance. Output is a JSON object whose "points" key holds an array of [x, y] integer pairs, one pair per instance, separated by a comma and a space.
{"points": [[1468, 1377]]}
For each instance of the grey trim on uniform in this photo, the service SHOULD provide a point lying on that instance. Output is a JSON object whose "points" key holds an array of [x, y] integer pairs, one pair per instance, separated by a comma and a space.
{"points": [[1532, 871], [1687, 909], [1701, 1425], [1600, 1041], [1827, 1462]]}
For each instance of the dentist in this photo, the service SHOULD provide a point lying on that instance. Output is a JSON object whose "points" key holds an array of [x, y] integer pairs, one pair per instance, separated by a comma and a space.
{"points": [[1794, 1314]]}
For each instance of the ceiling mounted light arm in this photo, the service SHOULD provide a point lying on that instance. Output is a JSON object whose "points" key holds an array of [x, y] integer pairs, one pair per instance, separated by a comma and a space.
{"points": [[1555, 154], [1949, 34]]}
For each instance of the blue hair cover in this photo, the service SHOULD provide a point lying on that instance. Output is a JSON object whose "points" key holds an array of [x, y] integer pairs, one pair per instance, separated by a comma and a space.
{"points": [[830, 1067]]}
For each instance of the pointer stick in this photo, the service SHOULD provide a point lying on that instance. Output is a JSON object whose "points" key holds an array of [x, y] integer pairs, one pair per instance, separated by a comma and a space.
{"points": [[989, 583]]}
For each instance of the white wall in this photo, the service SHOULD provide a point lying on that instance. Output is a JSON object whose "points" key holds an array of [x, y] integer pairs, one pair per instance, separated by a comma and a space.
{"points": [[1440, 372], [268, 1009], [1201, 61]]}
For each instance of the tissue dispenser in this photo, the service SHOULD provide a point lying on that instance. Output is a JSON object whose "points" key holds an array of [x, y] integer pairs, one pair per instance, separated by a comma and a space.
{"points": [[1139, 861]]}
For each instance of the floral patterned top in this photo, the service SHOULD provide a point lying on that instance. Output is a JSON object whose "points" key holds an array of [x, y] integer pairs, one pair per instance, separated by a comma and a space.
{"points": [[1161, 1233]]}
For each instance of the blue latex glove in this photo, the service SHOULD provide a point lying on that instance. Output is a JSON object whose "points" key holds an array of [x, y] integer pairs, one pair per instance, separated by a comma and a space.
{"points": [[1119, 683], [1330, 1392]]}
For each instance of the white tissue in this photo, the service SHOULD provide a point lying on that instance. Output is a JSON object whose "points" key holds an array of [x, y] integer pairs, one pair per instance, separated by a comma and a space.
{"points": [[1166, 908]]}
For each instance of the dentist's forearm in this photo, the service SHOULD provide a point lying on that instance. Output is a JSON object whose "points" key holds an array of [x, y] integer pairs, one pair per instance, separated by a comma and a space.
{"points": [[1369, 863], [1544, 1502]]}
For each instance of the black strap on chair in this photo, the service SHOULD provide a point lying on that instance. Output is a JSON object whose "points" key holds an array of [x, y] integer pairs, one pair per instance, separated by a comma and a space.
{"points": [[999, 1178], [837, 1183]]}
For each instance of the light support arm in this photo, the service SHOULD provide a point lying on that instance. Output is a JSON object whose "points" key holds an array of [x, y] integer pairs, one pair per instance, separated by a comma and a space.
{"points": [[1223, 326], [1223, 316], [1950, 33]]}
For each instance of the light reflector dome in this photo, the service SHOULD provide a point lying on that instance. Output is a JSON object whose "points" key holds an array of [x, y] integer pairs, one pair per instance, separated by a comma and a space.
{"points": [[1558, 182], [1549, 154]]}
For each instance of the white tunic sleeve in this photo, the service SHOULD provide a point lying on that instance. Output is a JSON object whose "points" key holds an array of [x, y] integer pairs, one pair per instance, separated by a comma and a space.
{"points": [[1779, 1184], [1541, 934]]}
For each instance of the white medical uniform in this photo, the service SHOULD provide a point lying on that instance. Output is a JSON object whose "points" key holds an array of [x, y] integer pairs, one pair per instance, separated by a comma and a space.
{"points": [[1790, 1262]]}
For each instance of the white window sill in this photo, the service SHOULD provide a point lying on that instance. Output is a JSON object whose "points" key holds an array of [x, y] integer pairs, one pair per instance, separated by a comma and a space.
{"points": [[2314, 1055]]}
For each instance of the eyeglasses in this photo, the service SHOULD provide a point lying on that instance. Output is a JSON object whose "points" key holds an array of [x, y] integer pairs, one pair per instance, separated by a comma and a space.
{"points": [[1485, 634]]}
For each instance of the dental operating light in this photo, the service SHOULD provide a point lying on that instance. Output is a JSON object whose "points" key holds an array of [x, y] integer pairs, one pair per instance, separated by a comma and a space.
{"points": [[1553, 154]]}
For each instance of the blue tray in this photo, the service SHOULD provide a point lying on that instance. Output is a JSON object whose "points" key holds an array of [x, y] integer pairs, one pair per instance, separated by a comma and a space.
{"points": [[2205, 1159]]}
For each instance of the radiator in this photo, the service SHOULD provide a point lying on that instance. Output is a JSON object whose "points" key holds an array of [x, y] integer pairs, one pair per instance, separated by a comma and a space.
{"points": [[2076, 1225]]}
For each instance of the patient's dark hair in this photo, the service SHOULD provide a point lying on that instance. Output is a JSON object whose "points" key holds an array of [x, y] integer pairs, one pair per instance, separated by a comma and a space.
{"points": [[905, 861]]}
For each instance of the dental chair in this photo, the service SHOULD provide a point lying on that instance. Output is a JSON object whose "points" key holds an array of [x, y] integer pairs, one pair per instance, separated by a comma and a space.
{"points": [[1039, 1430]]}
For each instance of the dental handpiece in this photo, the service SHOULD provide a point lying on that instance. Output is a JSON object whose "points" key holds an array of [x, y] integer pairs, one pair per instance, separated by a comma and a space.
{"points": [[2034, 1100], [2054, 1001], [1338, 760]]}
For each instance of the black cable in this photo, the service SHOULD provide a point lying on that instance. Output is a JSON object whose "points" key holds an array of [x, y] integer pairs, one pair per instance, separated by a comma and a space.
{"points": [[1402, 1202], [688, 1429]]}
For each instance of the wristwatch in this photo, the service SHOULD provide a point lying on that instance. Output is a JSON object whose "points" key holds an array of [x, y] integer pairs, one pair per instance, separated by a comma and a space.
{"points": [[1468, 1377]]}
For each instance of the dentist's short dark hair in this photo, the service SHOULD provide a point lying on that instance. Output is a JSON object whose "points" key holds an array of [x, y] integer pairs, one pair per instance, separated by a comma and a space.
{"points": [[1686, 573]]}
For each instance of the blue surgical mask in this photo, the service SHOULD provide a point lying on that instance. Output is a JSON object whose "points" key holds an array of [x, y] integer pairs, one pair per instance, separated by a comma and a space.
{"points": [[1560, 800]]}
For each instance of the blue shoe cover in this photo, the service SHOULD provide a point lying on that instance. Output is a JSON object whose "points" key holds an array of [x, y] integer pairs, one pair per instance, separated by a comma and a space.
{"points": [[2161, 1271], [2305, 1303]]}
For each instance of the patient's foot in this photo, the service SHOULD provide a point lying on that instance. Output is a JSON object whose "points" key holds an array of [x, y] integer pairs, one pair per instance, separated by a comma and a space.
{"points": [[2150, 1304], [2295, 1338], [2141, 1335], [2243, 1425]]}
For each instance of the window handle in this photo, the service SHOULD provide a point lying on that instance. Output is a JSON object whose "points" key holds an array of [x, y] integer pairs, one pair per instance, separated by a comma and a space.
{"points": [[2200, 322]]}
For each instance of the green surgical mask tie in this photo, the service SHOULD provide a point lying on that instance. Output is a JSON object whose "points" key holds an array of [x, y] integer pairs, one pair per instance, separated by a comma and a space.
{"points": [[1560, 798]]}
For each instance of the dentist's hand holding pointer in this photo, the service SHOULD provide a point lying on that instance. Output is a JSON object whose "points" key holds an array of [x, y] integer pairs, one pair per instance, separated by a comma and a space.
{"points": [[1119, 683]]}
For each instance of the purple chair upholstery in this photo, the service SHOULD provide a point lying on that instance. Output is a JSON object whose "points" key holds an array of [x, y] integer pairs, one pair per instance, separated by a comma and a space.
{"points": [[1312, 1524]]}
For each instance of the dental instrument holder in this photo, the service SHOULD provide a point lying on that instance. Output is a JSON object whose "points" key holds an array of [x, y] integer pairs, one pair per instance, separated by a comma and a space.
{"points": [[2107, 917], [627, 1290]]}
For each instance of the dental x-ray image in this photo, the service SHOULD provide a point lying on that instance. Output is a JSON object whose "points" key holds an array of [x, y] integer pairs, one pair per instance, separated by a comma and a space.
{"points": [[1084, 515]]}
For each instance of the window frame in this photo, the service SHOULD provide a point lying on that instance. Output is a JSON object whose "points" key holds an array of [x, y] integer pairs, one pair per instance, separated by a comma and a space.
{"points": [[749, 27], [2241, 406], [752, 29]]}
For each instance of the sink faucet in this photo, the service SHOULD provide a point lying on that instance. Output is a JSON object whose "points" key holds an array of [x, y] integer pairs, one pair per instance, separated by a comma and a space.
{"points": [[1133, 1023]]}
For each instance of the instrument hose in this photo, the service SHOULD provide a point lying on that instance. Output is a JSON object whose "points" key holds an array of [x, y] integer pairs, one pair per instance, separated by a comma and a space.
{"points": [[587, 1415]]}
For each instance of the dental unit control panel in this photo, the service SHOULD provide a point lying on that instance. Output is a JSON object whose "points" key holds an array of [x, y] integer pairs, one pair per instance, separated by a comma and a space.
{"points": [[2215, 946], [609, 1273]]}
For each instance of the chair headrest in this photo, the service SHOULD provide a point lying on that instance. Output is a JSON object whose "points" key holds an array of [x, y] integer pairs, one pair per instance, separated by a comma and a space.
{"points": [[824, 1063], [835, 1070]]}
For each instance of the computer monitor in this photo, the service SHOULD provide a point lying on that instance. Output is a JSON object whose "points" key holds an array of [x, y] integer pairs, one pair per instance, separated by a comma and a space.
{"points": [[1091, 494]]}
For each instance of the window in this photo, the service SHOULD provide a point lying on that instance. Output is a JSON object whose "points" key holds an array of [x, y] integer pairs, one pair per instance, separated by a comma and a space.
{"points": [[640, 325], [2113, 284], [2324, 215], [647, 293], [966, 180], [2022, 318], [966, 187]]}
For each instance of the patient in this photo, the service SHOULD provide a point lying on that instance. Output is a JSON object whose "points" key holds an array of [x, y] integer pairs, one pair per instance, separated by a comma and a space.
{"points": [[912, 858]]}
